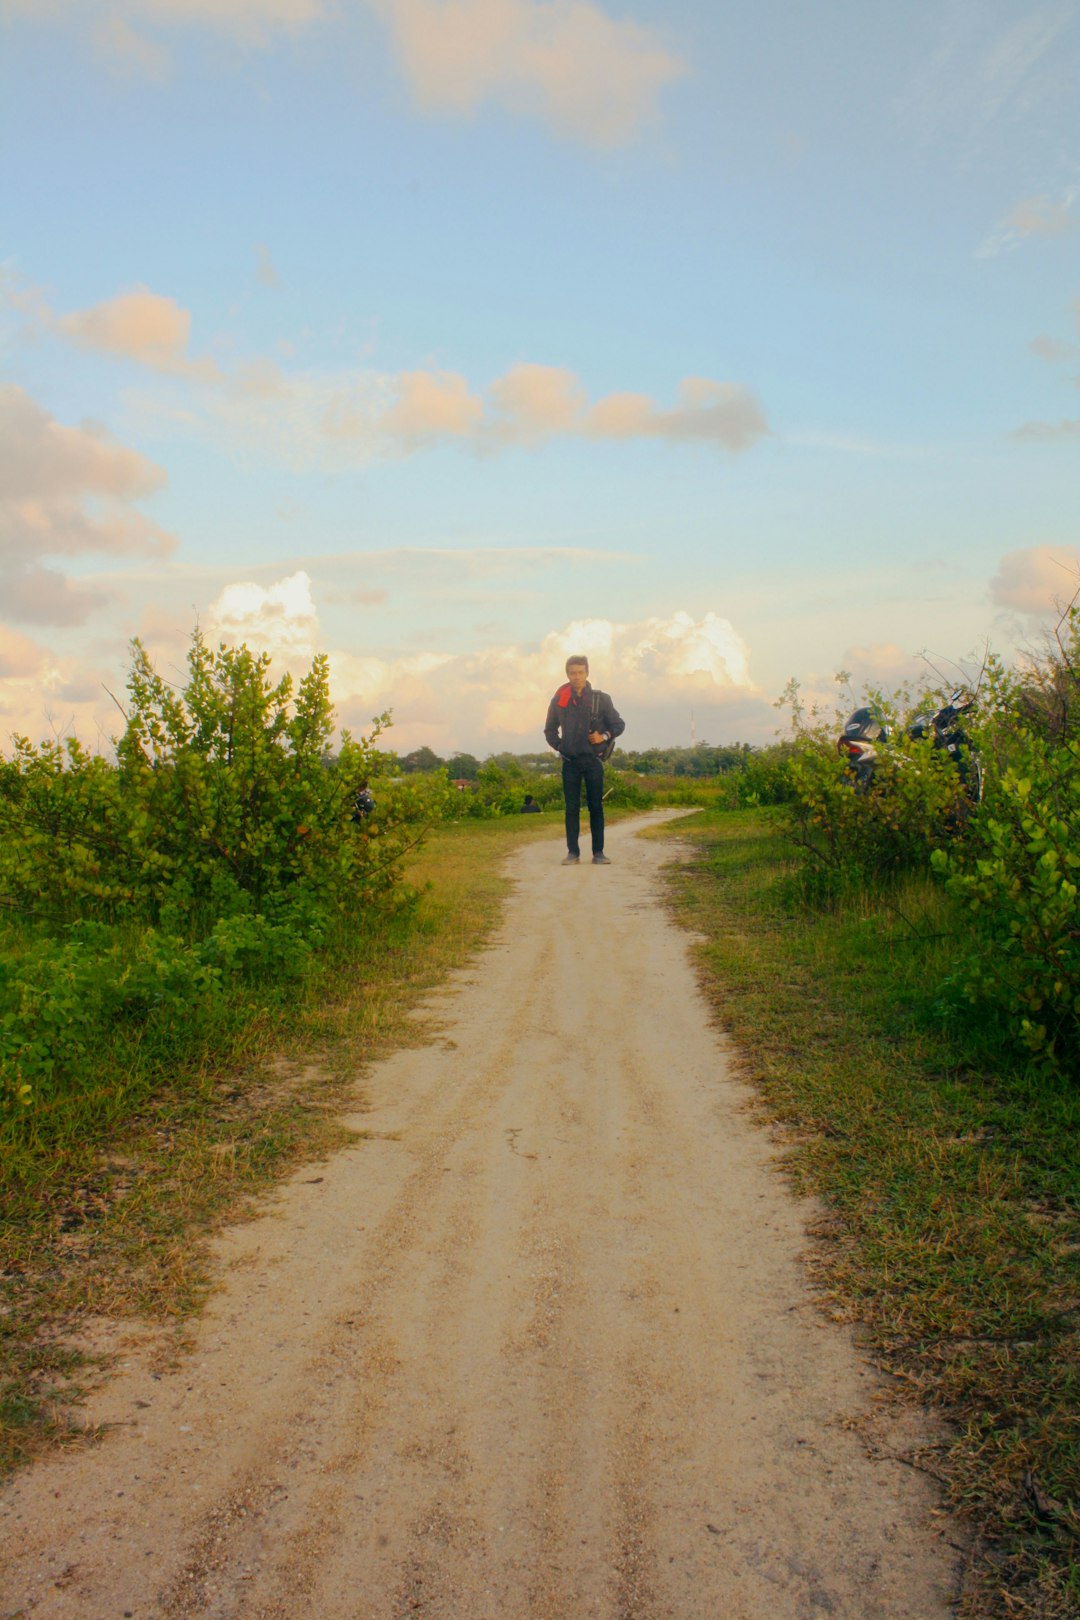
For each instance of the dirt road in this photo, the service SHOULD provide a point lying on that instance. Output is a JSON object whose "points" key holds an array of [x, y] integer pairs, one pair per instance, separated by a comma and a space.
{"points": [[542, 1347]]}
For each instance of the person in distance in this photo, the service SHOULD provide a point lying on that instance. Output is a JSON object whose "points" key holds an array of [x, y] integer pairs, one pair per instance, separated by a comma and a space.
{"points": [[581, 726]]}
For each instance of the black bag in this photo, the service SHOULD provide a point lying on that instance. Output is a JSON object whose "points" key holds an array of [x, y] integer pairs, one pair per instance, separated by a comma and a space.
{"points": [[604, 750]]}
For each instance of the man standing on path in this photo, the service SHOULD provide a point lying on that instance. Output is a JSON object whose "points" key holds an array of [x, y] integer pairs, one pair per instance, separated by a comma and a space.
{"points": [[581, 726]]}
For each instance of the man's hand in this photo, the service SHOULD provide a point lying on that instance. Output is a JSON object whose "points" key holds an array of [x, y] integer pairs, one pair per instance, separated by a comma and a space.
{"points": [[597, 736]]}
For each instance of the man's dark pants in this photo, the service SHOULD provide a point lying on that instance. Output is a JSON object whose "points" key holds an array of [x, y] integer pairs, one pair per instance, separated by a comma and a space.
{"points": [[590, 770]]}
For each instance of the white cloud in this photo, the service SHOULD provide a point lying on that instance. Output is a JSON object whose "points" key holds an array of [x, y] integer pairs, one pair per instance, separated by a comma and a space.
{"points": [[498, 696], [431, 406], [658, 669], [1036, 581], [44, 694], [337, 419], [568, 63], [534, 403], [1053, 349], [1067, 430], [19, 657], [279, 619], [565, 61], [1040, 216], [143, 326], [345, 419], [65, 491], [40, 459]]}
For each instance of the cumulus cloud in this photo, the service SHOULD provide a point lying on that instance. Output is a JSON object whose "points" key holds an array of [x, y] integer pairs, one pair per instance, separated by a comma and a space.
{"points": [[1051, 349], [496, 696], [533, 403], [65, 491], [280, 619], [430, 406], [719, 413], [1041, 216], [1037, 580], [143, 326], [1047, 432], [45, 694], [33, 595], [1035, 217], [568, 63], [42, 459], [342, 419], [565, 61], [19, 657], [337, 418]]}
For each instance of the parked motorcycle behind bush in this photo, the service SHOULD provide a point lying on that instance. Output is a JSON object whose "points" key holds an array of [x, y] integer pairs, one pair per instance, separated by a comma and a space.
{"points": [[863, 734]]}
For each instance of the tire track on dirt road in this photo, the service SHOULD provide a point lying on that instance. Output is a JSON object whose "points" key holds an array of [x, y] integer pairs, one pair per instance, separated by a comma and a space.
{"points": [[542, 1348]]}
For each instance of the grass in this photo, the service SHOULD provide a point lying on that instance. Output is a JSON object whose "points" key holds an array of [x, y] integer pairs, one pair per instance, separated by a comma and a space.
{"points": [[108, 1209], [951, 1186]]}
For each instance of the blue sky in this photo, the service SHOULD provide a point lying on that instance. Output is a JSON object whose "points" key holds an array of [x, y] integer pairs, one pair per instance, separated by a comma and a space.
{"points": [[724, 344]]}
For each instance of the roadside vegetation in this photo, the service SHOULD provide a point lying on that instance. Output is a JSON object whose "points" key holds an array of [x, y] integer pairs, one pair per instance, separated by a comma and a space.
{"points": [[900, 973], [200, 949], [204, 939]]}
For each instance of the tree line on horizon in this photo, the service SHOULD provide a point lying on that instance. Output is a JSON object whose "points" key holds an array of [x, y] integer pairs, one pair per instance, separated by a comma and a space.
{"points": [[702, 760]]}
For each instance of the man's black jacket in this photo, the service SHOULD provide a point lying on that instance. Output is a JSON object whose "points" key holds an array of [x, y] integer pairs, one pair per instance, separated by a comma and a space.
{"points": [[570, 719]]}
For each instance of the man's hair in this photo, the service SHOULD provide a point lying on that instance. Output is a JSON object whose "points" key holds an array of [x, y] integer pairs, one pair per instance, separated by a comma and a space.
{"points": [[577, 658]]}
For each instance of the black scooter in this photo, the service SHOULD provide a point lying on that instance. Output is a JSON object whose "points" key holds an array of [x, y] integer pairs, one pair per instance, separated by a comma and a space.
{"points": [[863, 732]]}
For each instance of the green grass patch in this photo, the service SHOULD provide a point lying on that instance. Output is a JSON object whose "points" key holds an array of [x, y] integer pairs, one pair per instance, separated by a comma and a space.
{"points": [[108, 1197], [951, 1185]]}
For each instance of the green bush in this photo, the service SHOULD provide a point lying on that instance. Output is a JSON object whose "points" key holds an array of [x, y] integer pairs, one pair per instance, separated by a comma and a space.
{"points": [[622, 791], [63, 1000], [500, 787], [218, 848], [853, 837], [1018, 876], [221, 803]]}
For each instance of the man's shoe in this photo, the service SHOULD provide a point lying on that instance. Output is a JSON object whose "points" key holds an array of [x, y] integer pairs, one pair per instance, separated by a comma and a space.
{"points": [[600, 860], [571, 860]]}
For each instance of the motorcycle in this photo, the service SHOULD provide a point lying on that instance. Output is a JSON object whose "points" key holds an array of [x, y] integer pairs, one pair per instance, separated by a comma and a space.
{"points": [[363, 805], [863, 732]]}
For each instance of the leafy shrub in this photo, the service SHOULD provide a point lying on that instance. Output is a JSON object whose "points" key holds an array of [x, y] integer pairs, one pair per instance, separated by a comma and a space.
{"points": [[222, 803], [220, 846], [1019, 875], [62, 1000], [852, 839], [500, 787], [622, 792]]}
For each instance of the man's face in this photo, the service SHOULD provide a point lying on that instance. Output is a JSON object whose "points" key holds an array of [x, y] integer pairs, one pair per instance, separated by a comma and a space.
{"points": [[577, 675]]}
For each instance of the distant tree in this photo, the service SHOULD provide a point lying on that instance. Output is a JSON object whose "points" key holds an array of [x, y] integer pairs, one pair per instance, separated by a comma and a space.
{"points": [[506, 762], [464, 767], [421, 759]]}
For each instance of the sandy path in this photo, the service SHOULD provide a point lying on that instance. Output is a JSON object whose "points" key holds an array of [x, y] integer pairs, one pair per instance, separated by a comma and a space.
{"points": [[541, 1348]]}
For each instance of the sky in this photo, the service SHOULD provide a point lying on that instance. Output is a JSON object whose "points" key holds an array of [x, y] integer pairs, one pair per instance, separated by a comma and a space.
{"points": [[725, 343]]}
